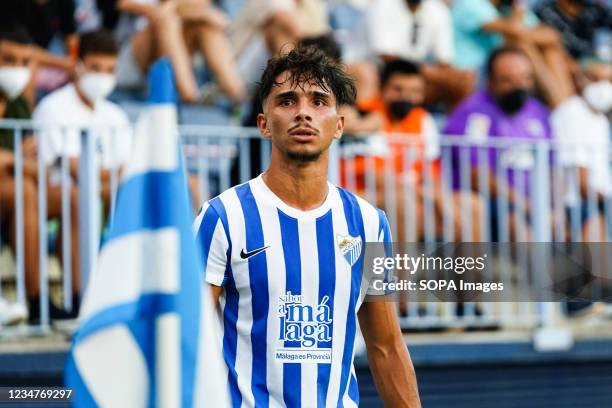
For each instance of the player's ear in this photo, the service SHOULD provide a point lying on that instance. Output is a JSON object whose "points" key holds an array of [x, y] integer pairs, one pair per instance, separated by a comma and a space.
{"points": [[339, 127], [262, 125]]}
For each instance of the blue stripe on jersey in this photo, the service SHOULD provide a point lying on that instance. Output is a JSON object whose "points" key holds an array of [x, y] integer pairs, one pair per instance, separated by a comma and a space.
{"points": [[327, 286], [292, 372], [206, 232], [354, 390], [258, 279], [354, 219], [230, 339], [230, 312]]}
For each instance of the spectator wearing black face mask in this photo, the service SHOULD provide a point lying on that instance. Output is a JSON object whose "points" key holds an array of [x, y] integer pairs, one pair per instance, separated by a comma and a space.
{"points": [[506, 108], [407, 130]]}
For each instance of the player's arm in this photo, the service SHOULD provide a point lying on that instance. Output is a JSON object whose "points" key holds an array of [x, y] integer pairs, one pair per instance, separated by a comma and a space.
{"points": [[388, 355], [216, 293], [209, 233]]}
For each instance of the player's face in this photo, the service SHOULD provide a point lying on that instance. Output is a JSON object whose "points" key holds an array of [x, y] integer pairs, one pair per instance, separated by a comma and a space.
{"points": [[301, 120]]}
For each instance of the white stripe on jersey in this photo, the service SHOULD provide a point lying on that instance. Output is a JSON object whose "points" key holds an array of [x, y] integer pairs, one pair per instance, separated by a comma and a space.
{"points": [[310, 292]]}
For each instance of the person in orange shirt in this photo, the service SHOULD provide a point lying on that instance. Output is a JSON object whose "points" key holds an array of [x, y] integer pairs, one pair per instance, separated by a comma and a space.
{"points": [[405, 152]]}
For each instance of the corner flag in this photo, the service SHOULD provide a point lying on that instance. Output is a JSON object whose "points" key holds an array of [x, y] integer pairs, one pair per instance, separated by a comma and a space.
{"points": [[148, 334]]}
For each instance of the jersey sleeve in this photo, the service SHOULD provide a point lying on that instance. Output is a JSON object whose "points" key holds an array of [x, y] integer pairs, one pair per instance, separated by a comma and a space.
{"points": [[385, 241], [212, 239]]}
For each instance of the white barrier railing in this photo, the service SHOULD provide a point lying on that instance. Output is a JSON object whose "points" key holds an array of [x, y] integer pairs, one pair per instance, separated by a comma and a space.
{"points": [[458, 191]]}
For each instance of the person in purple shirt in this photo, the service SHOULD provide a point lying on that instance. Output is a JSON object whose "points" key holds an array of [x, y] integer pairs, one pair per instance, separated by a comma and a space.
{"points": [[506, 111]]}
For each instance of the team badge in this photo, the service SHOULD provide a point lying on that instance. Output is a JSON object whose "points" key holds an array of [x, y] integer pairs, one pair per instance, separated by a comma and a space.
{"points": [[350, 247]]}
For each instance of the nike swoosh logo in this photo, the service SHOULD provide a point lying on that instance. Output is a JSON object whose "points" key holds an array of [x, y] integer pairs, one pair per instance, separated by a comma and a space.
{"points": [[246, 255]]}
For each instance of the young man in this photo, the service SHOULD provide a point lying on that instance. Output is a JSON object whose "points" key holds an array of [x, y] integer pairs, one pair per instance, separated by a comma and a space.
{"points": [[276, 255], [16, 54], [82, 105], [400, 105]]}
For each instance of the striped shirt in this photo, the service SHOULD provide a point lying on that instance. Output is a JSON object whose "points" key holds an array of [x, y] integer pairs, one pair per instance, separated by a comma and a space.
{"points": [[292, 287]]}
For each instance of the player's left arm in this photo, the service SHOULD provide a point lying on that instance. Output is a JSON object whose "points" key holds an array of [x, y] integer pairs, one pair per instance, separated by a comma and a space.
{"points": [[388, 355]]}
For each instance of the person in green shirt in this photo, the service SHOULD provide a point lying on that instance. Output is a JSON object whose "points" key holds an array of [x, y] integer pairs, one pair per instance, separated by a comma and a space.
{"points": [[16, 60]]}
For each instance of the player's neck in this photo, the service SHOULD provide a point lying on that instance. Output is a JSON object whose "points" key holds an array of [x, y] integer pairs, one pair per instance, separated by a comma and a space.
{"points": [[303, 187]]}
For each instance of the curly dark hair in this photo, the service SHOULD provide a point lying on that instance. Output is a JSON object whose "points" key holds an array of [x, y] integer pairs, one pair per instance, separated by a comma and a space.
{"points": [[309, 65]]}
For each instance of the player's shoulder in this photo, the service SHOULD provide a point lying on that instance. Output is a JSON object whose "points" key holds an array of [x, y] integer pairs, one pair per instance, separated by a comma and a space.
{"points": [[225, 203], [372, 216]]}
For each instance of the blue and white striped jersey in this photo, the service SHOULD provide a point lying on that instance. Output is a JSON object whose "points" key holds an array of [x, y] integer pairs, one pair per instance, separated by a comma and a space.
{"points": [[293, 286]]}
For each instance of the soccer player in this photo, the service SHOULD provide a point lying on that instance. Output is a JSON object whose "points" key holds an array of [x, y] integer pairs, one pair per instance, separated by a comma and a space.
{"points": [[282, 253]]}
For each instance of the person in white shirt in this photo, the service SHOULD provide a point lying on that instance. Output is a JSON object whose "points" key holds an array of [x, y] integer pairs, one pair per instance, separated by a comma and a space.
{"points": [[79, 106], [420, 31], [82, 105], [582, 133]]}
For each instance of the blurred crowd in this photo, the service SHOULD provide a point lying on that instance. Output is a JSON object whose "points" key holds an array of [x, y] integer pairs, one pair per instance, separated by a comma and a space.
{"points": [[474, 69]]}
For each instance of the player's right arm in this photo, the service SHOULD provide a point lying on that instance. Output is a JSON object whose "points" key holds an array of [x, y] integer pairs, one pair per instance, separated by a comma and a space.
{"points": [[212, 239]]}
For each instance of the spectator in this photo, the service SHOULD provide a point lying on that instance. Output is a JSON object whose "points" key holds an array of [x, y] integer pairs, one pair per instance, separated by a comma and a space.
{"points": [[176, 28], [16, 55], [264, 27], [576, 21], [505, 109], [480, 26], [83, 104], [419, 30], [80, 105], [52, 25], [399, 111], [582, 130]]}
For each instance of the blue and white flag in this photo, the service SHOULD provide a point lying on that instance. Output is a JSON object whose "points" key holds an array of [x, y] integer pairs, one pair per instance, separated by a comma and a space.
{"points": [[149, 335]]}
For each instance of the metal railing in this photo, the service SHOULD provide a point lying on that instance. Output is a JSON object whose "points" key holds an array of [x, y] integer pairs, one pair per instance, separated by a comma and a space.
{"points": [[503, 190]]}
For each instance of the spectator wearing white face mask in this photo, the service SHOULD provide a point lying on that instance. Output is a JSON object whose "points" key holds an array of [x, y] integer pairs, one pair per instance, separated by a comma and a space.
{"points": [[60, 117], [82, 104], [582, 130]]}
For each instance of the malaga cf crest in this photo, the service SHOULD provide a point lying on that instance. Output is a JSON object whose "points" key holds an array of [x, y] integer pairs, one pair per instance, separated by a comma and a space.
{"points": [[350, 247]]}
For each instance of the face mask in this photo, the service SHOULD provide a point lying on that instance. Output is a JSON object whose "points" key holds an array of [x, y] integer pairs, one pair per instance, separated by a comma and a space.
{"points": [[512, 102], [13, 80], [399, 109], [96, 86], [599, 95]]}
